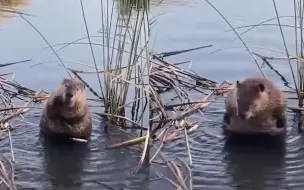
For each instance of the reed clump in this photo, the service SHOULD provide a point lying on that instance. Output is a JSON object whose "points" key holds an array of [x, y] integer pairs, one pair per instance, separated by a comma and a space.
{"points": [[15, 101], [175, 95], [123, 75]]}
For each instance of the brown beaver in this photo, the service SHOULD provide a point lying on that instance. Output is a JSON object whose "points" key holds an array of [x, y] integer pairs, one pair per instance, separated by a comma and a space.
{"points": [[301, 122], [255, 106], [66, 112]]}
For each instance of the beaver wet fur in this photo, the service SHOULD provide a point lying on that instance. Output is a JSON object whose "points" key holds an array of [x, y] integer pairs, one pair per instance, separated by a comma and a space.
{"points": [[301, 123], [66, 112], [255, 106]]}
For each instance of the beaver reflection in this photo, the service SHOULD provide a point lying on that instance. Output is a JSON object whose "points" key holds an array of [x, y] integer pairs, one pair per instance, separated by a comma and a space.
{"points": [[63, 161], [255, 164]]}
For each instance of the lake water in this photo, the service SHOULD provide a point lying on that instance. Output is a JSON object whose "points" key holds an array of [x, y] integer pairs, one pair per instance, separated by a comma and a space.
{"points": [[42, 165], [185, 24], [217, 165]]}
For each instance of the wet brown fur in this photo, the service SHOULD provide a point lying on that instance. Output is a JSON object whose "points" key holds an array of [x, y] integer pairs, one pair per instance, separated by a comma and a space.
{"points": [[67, 118], [262, 104], [301, 123]]}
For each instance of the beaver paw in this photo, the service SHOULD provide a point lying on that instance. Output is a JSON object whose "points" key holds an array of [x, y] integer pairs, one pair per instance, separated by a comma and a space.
{"points": [[226, 118], [226, 132], [281, 122], [300, 127]]}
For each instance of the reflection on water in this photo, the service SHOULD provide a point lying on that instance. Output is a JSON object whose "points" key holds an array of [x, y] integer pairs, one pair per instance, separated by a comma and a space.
{"points": [[242, 164], [63, 162], [13, 3], [5, 10], [217, 164], [46, 164], [124, 6], [258, 165]]}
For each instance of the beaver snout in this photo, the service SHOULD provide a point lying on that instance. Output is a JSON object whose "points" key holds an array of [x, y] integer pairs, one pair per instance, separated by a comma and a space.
{"points": [[69, 95]]}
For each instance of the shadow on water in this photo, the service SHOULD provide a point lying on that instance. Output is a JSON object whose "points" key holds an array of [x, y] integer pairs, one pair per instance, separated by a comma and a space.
{"points": [[50, 164], [63, 161], [253, 164]]}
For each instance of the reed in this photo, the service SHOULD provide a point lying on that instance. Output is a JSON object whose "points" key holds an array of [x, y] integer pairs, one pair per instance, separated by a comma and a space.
{"points": [[298, 29], [125, 74], [14, 101], [176, 94]]}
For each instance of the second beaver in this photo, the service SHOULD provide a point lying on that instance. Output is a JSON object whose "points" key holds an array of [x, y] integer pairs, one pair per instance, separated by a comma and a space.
{"points": [[255, 106], [66, 112]]}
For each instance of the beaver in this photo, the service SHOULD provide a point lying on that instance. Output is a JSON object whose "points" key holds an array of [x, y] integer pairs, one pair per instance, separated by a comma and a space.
{"points": [[66, 112], [301, 122], [255, 106]]}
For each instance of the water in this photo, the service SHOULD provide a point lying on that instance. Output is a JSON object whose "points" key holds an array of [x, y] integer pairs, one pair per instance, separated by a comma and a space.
{"points": [[217, 165], [185, 24], [43, 165]]}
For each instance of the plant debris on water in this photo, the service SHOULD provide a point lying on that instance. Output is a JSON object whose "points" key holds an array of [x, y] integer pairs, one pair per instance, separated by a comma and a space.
{"points": [[131, 79], [14, 101], [169, 120]]}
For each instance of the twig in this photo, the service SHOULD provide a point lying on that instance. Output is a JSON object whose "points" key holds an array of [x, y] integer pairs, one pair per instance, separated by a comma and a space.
{"points": [[188, 148]]}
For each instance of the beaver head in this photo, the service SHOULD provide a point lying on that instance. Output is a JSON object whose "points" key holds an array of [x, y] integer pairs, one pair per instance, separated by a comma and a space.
{"points": [[251, 98], [70, 97]]}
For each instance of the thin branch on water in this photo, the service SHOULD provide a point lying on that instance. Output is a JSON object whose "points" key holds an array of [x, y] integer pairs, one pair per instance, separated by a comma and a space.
{"points": [[87, 30], [188, 148], [254, 26], [170, 53], [265, 60], [14, 63], [10, 11]]}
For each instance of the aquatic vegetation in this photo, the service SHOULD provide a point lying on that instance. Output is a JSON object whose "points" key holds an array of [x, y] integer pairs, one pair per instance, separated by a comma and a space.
{"points": [[172, 104], [14, 102], [171, 87]]}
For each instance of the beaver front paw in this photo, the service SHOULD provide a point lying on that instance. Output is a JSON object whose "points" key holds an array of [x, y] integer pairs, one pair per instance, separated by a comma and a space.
{"points": [[226, 118], [281, 122]]}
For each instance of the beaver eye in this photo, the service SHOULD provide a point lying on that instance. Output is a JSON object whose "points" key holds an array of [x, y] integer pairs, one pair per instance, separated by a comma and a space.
{"points": [[66, 85], [77, 89]]}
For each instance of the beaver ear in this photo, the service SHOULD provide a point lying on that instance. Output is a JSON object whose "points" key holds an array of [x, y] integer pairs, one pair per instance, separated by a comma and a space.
{"points": [[237, 83], [261, 87], [81, 85], [65, 80]]}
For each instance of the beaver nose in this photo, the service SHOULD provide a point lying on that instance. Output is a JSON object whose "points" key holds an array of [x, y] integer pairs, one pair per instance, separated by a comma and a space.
{"points": [[69, 95], [242, 116]]}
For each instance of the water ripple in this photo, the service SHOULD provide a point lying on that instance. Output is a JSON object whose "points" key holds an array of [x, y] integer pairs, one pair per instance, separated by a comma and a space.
{"points": [[220, 165], [73, 166]]}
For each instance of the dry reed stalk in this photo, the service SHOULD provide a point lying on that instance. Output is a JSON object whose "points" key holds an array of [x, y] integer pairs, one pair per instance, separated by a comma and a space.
{"points": [[173, 82], [9, 92]]}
